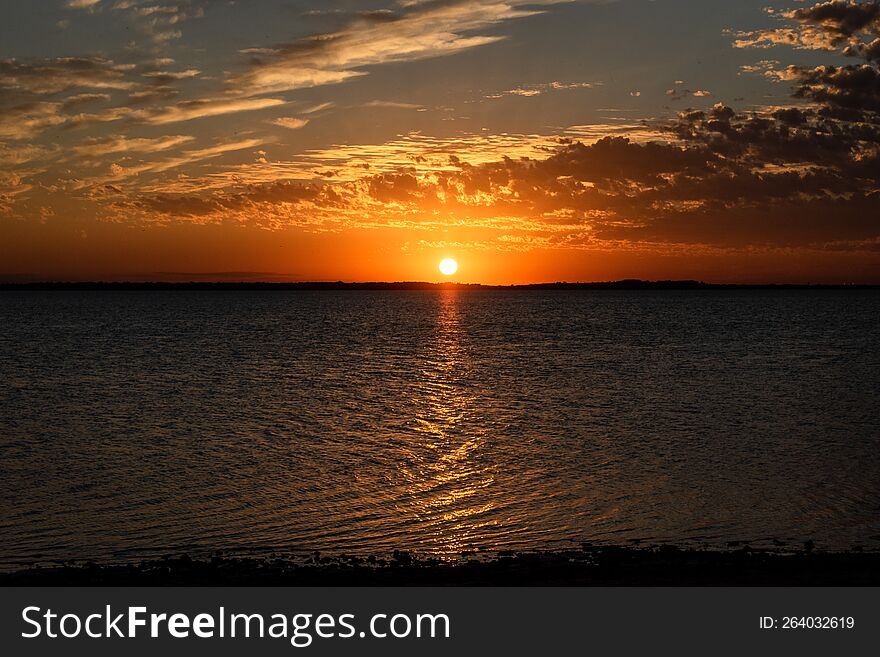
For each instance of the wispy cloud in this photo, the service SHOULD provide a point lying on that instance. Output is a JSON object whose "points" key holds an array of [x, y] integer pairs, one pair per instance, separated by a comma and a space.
{"points": [[529, 91], [197, 109], [119, 173], [122, 144], [417, 30], [81, 4], [314, 109], [391, 104], [27, 121], [167, 77], [60, 74]]}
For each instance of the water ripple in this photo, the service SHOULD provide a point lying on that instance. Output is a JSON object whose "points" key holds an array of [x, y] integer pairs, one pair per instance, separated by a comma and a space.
{"points": [[139, 424]]}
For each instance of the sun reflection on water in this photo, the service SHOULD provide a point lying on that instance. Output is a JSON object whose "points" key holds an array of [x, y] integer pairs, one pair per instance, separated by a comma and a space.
{"points": [[447, 480]]}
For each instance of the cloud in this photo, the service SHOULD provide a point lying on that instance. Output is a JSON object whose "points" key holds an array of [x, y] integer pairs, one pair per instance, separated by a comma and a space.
{"points": [[390, 104], [854, 88], [60, 74], [805, 173], [851, 27], [16, 155], [44, 83], [571, 85], [121, 144], [314, 109], [160, 23], [280, 195], [782, 177], [167, 77], [539, 89], [189, 157], [417, 30], [83, 99], [157, 21], [840, 19], [81, 4], [197, 109], [27, 121], [413, 31], [119, 173], [290, 122], [851, 87], [526, 93], [679, 94]]}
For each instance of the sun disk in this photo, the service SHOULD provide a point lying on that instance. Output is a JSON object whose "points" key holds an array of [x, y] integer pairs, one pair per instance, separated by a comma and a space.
{"points": [[448, 267]]}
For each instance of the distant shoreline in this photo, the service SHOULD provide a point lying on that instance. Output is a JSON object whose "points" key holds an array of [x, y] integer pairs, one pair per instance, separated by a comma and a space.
{"points": [[413, 286]]}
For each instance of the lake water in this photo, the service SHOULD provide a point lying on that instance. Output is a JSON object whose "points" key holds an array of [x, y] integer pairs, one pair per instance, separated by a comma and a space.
{"points": [[139, 424]]}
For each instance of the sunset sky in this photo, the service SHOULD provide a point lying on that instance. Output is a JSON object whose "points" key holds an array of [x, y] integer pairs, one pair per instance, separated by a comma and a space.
{"points": [[368, 140]]}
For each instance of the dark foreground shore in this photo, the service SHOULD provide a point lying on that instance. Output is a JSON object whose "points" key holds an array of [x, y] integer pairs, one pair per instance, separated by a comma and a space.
{"points": [[605, 566]]}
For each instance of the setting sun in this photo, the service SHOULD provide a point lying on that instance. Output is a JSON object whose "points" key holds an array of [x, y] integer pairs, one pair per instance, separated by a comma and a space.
{"points": [[448, 267]]}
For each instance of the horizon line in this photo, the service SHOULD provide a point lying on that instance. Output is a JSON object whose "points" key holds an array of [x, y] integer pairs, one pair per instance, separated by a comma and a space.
{"points": [[632, 284]]}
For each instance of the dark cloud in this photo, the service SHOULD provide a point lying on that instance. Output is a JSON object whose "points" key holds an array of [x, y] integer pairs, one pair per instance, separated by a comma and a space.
{"points": [[60, 74], [841, 19], [281, 192], [852, 27], [788, 223], [852, 87]]}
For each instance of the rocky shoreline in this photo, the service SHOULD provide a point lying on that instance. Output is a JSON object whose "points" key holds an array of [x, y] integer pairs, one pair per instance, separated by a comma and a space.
{"points": [[590, 566]]}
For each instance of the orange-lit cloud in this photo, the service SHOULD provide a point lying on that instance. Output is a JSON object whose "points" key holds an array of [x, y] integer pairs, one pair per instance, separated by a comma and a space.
{"points": [[851, 26], [121, 144], [290, 122], [199, 109]]}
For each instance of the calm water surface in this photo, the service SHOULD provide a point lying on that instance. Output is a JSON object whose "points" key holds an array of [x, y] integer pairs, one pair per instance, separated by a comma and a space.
{"points": [[138, 424]]}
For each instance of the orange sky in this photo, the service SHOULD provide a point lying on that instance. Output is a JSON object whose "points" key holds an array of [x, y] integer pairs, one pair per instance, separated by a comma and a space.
{"points": [[217, 252], [531, 141]]}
